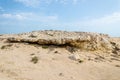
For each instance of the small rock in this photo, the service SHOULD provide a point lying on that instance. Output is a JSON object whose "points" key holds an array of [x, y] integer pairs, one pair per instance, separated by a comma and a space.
{"points": [[61, 74], [75, 57], [56, 52], [32, 36]]}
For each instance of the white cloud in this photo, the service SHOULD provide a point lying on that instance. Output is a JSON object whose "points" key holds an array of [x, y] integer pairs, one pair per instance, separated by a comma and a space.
{"points": [[105, 20], [13, 16], [106, 24], [109, 24], [29, 17], [102, 21]]}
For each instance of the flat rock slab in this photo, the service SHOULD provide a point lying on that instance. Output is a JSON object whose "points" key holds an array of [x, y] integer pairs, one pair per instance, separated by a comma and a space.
{"points": [[82, 40]]}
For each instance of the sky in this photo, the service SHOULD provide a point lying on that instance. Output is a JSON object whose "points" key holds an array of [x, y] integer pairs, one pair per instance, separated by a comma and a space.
{"points": [[102, 16]]}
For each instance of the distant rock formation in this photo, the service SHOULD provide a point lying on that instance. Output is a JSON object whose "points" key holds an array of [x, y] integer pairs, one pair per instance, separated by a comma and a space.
{"points": [[83, 40]]}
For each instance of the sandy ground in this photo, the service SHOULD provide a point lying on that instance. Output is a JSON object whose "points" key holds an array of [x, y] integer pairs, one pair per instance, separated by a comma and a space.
{"points": [[55, 63]]}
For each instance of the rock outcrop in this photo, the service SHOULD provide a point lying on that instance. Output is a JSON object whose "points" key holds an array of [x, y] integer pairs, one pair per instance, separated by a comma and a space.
{"points": [[83, 40]]}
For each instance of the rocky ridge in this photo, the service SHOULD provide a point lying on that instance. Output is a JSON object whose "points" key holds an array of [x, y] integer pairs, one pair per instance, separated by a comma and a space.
{"points": [[83, 40]]}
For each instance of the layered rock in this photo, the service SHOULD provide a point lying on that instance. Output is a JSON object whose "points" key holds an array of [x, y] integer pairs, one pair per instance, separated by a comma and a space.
{"points": [[82, 40]]}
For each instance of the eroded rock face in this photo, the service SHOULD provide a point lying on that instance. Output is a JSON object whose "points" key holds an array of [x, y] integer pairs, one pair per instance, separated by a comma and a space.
{"points": [[82, 40]]}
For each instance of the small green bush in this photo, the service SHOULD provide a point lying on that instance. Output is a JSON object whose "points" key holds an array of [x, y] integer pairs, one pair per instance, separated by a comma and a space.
{"points": [[3, 47], [34, 59], [80, 61], [45, 47], [6, 46]]}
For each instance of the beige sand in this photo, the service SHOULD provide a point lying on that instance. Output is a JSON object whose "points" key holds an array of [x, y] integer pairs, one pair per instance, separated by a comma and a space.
{"points": [[55, 63]]}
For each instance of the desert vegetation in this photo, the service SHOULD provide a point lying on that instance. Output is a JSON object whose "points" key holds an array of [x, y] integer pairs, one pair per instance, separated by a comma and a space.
{"points": [[35, 59]]}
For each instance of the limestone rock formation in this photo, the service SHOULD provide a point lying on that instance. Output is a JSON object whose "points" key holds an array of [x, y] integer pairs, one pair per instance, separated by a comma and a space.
{"points": [[82, 40]]}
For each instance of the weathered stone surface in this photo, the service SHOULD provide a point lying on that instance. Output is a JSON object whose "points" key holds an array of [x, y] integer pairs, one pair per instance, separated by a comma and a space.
{"points": [[82, 40]]}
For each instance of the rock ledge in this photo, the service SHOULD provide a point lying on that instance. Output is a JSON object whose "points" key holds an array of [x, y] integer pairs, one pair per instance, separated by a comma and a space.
{"points": [[82, 40]]}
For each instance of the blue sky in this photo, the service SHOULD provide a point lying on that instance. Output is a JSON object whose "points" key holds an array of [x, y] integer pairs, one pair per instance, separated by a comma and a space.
{"points": [[101, 16]]}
